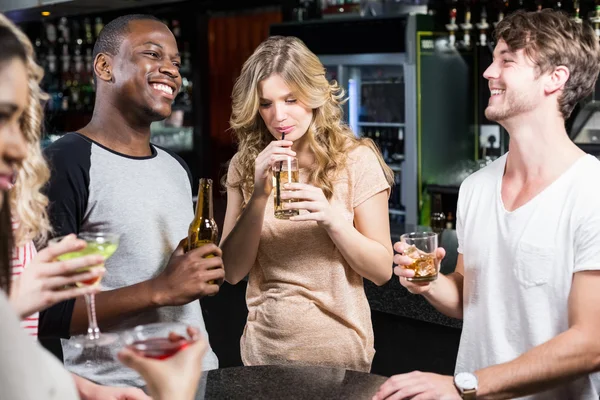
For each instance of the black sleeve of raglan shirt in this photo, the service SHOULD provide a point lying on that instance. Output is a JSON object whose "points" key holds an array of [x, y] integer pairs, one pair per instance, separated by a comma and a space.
{"points": [[68, 193]]}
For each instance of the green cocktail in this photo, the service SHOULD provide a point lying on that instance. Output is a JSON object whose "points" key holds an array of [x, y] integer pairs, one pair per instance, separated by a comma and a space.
{"points": [[105, 249]]}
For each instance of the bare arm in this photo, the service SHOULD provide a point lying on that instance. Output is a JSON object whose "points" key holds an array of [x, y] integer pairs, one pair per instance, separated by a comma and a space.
{"points": [[446, 293], [367, 246], [112, 306], [240, 238], [241, 235], [573, 353]]}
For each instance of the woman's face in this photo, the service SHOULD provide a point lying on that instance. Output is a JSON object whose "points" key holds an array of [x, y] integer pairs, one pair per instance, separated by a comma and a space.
{"points": [[14, 92], [281, 111]]}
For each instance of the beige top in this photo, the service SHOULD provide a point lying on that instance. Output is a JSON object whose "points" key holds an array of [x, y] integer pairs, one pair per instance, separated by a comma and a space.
{"points": [[27, 370], [305, 304]]}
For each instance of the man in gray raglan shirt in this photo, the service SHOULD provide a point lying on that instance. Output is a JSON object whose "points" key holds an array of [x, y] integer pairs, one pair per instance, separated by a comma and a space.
{"points": [[108, 177]]}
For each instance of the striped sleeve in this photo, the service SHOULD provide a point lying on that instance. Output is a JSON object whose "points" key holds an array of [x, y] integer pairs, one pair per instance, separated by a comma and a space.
{"points": [[21, 257]]}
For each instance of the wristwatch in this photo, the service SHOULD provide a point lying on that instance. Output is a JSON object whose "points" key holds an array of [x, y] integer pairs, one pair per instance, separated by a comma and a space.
{"points": [[466, 384]]}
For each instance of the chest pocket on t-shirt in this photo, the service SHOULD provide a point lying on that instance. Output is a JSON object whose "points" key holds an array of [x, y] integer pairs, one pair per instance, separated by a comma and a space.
{"points": [[534, 264]]}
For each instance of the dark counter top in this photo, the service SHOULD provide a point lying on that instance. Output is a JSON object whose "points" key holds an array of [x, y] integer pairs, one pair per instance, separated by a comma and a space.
{"points": [[287, 382], [393, 298]]}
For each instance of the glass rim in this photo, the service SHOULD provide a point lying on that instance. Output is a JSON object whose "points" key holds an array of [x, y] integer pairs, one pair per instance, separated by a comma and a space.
{"points": [[162, 324], [158, 329], [418, 235], [87, 235], [281, 157]]}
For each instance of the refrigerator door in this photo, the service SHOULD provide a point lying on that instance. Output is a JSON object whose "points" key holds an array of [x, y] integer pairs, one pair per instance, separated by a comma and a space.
{"points": [[375, 88]]}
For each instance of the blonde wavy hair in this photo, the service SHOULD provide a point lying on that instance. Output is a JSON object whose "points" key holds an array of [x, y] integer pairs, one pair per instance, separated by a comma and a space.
{"points": [[27, 202], [329, 138]]}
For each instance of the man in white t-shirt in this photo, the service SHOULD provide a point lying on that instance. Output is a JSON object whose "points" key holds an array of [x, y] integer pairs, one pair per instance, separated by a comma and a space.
{"points": [[527, 279]]}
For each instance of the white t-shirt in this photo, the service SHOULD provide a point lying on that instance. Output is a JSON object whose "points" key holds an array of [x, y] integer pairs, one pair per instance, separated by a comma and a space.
{"points": [[519, 266]]}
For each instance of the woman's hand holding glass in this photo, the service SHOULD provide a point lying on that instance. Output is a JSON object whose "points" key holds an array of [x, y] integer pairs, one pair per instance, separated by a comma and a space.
{"points": [[313, 200], [175, 377], [45, 282], [263, 180]]}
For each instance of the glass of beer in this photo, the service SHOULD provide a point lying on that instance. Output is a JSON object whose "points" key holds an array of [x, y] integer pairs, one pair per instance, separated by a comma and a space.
{"points": [[421, 248], [285, 170], [105, 244], [159, 340]]}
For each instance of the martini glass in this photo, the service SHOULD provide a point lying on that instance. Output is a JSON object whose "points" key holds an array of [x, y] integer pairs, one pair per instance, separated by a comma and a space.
{"points": [[105, 244]]}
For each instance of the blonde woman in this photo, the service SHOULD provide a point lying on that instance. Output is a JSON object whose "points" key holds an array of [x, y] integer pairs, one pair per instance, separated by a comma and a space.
{"points": [[305, 297], [28, 204], [30, 290], [38, 281]]}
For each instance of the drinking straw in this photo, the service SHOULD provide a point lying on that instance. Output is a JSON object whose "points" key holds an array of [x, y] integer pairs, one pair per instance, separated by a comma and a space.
{"points": [[278, 176]]}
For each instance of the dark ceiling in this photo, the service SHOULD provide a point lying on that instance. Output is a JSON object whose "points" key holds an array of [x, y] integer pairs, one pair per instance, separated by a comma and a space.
{"points": [[80, 7]]}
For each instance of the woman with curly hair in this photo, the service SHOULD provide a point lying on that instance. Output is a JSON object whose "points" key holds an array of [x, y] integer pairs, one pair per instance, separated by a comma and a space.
{"points": [[305, 296], [28, 204]]}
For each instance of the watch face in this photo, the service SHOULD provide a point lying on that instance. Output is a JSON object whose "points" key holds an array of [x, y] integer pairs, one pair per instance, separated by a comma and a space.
{"points": [[466, 381]]}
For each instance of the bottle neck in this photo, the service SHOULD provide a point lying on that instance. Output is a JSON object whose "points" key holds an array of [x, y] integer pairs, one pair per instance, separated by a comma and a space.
{"points": [[204, 207], [437, 203]]}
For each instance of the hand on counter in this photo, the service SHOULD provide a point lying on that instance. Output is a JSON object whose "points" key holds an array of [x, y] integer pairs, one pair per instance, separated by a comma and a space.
{"points": [[89, 390], [402, 260], [418, 386]]}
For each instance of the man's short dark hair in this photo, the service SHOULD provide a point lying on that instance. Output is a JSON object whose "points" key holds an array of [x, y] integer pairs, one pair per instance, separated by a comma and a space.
{"points": [[111, 35]]}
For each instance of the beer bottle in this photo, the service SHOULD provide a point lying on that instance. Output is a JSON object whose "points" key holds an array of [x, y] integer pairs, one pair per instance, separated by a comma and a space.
{"points": [[203, 229]]}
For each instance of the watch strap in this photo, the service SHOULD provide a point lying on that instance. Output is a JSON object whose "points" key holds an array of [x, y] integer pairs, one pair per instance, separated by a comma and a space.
{"points": [[470, 394]]}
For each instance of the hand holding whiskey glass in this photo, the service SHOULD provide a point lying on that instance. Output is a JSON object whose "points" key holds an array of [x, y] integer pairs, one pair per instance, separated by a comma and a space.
{"points": [[420, 249]]}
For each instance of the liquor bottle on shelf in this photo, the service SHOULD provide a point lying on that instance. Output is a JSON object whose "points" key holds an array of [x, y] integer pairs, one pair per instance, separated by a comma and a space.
{"points": [[89, 36], [186, 63], [450, 221], [595, 20], [176, 29], [87, 87], [51, 34], [398, 152], [98, 25], [451, 27], [77, 82], [466, 26], [438, 219], [64, 37], [76, 33], [503, 9], [483, 26], [576, 12], [50, 82], [332, 7], [66, 78]]}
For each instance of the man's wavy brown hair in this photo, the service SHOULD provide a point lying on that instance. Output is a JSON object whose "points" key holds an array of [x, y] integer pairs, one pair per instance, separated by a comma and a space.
{"points": [[329, 138], [551, 39]]}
